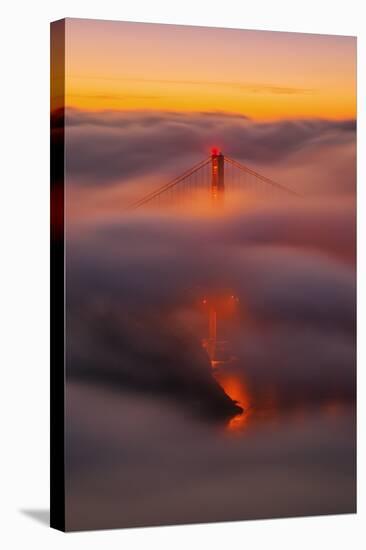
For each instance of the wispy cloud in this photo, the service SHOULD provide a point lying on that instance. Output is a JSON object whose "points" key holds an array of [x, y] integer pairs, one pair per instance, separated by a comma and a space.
{"points": [[248, 87]]}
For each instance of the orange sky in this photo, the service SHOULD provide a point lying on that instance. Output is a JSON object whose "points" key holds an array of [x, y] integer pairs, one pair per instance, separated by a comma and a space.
{"points": [[265, 75]]}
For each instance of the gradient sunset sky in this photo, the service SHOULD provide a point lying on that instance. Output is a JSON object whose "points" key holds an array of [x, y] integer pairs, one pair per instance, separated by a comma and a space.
{"points": [[264, 75]]}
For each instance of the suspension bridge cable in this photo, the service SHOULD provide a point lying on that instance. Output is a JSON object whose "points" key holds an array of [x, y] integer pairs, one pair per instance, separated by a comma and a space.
{"points": [[169, 185], [260, 177]]}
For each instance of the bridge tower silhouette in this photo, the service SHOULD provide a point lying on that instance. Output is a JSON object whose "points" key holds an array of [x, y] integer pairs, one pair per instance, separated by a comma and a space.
{"points": [[219, 175]]}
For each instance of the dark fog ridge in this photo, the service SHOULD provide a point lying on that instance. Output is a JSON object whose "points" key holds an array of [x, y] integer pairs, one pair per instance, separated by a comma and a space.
{"points": [[282, 367], [126, 281], [107, 147], [112, 346]]}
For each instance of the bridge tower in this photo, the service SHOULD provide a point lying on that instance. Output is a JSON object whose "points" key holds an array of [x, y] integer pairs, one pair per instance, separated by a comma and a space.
{"points": [[217, 177]]}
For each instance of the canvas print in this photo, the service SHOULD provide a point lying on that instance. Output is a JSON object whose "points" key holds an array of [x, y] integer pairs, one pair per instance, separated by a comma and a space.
{"points": [[203, 185]]}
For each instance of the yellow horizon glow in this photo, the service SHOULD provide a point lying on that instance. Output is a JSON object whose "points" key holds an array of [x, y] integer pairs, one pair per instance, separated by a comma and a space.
{"points": [[263, 75]]}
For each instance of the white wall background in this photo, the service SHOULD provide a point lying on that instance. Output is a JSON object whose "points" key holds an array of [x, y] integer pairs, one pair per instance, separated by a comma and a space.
{"points": [[24, 270]]}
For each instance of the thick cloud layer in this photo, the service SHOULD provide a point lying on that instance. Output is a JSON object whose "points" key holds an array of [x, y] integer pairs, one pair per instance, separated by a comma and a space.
{"points": [[134, 287], [106, 148]]}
